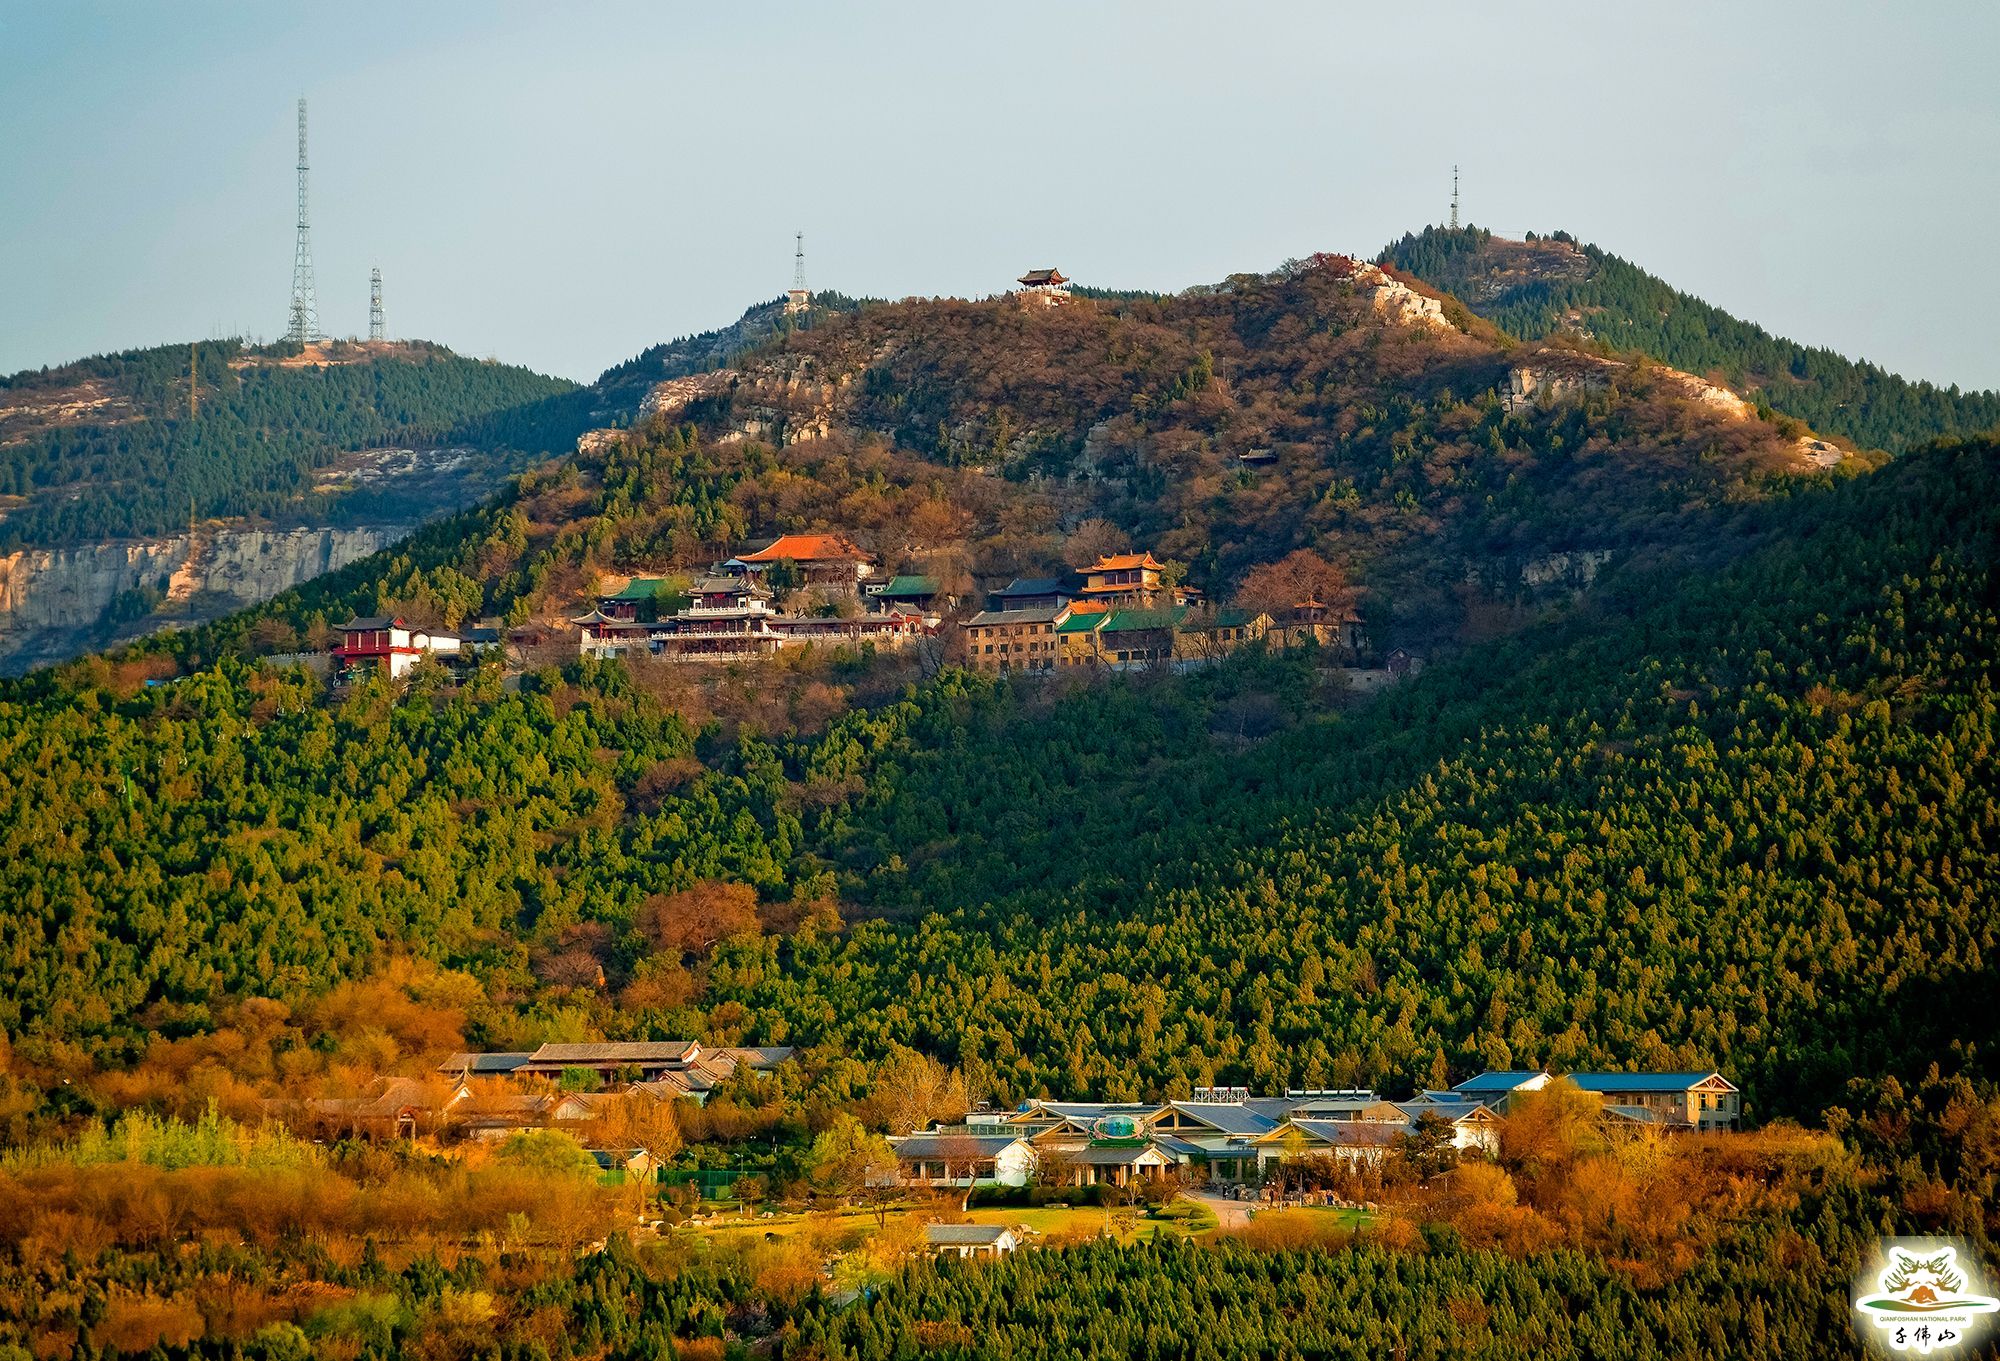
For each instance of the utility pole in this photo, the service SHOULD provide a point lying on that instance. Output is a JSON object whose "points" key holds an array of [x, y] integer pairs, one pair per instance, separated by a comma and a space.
{"points": [[376, 329], [304, 326]]}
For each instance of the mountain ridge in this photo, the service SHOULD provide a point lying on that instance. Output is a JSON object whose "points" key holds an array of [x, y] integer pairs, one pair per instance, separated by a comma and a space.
{"points": [[1548, 285]]}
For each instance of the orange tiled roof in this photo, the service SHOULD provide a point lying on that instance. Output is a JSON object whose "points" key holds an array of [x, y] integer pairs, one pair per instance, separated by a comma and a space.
{"points": [[808, 548], [1120, 562], [1089, 607]]}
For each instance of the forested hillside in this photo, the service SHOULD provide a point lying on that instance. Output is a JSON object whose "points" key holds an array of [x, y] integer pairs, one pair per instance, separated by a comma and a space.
{"points": [[1730, 804], [111, 447], [1742, 818], [622, 385], [1543, 286], [979, 439]]}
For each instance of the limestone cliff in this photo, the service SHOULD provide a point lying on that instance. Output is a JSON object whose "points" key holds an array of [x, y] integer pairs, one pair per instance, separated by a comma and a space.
{"points": [[56, 603]]}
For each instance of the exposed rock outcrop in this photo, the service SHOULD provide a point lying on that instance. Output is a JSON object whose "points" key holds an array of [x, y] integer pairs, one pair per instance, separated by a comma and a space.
{"points": [[56, 603], [1388, 296], [673, 396], [1576, 569], [1556, 376]]}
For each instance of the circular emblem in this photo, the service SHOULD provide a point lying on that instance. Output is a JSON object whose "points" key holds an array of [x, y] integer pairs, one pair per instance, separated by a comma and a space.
{"points": [[1115, 1127]]}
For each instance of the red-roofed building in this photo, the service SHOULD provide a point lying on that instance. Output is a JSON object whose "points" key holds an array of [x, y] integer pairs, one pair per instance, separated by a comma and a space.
{"points": [[1044, 285], [388, 643], [822, 560], [1123, 579]]}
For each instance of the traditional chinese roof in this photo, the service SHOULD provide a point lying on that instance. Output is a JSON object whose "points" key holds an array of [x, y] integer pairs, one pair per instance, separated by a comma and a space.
{"points": [[1033, 586], [1083, 620], [372, 623], [807, 548], [910, 586], [1122, 562], [600, 617], [720, 583], [1134, 621], [1043, 278]]}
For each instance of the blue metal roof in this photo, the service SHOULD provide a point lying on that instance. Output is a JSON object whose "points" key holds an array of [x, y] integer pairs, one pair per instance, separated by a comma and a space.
{"points": [[1229, 1118], [1640, 1082], [1499, 1081]]}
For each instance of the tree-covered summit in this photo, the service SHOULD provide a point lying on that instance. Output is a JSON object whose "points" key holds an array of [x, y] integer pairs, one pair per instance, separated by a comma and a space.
{"points": [[1547, 285], [145, 442]]}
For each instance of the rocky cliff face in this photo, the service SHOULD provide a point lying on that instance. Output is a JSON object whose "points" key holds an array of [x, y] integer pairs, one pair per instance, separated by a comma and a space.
{"points": [[57, 603]]}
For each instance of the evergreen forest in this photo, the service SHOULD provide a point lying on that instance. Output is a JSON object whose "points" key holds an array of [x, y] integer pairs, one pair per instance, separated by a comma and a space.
{"points": [[1726, 803], [1544, 286], [112, 447]]}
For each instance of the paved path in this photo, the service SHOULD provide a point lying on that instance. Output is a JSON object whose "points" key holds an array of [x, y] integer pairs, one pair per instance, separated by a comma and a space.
{"points": [[1229, 1214]]}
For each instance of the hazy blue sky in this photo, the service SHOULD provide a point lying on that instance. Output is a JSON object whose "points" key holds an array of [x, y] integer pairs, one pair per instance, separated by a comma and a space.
{"points": [[561, 185]]}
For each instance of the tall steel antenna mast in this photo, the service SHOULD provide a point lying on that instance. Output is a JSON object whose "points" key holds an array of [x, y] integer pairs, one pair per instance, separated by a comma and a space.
{"points": [[1454, 198], [797, 297], [377, 330], [305, 305]]}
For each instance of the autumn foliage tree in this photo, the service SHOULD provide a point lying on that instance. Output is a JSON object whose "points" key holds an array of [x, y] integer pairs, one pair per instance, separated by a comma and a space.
{"points": [[913, 1091], [1300, 576], [694, 919]]}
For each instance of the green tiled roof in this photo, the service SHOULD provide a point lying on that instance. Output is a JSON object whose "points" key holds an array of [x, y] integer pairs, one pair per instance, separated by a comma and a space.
{"points": [[1132, 621], [641, 588], [1083, 623], [1231, 618], [911, 586]]}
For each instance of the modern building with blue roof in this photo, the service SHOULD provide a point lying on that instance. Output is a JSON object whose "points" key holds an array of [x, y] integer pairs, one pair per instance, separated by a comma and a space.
{"points": [[1685, 1100], [1696, 1100]]}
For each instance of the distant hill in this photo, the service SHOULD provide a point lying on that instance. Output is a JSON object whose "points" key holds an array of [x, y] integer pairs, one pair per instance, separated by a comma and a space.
{"points": [[621, 386], [1460, 480], [1550, 285], [114, 447]]}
